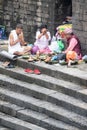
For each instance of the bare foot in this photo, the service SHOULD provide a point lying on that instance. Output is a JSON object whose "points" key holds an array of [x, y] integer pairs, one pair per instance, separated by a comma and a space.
{"points": [[48, 59], [6, 63], [38, 54], [18, 53]]}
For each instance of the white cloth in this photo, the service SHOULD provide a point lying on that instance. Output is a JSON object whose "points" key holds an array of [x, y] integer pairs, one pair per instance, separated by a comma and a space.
{"points": [[43, 42], [53, 46], [16, 47]]}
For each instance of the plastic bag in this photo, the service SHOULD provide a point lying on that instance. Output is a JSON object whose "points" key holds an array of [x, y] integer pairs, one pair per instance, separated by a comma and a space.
{"points": [[60, 45]]}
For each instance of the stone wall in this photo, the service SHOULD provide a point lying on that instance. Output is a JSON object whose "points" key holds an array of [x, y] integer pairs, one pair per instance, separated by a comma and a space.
{"points": [[80, 21], [1, 11], [32, 13]]}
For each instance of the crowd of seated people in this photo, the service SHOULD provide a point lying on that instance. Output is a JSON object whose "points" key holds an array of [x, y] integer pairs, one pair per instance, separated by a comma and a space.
{"points": [[64, 45]]}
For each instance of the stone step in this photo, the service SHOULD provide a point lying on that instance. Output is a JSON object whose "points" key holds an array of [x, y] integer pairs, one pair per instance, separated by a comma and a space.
{"points": [[17, 124], [3, 42], [45, 107], [42, 93], [34, 117], [61, 72], [66, 87], [4, 128]]}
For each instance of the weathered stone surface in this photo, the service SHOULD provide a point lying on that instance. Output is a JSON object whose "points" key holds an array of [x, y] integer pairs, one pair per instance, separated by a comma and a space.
{"points": [[33, 13], [54, 100], [79, 10], [47, 108], [17, 124]]}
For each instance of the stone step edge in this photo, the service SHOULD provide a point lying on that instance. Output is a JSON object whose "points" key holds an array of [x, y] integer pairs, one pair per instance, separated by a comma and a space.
{"points": [[4, 128], [46, 94], [57, 71], [33, 117], [53, 84], [13, 122], [51, 110]]}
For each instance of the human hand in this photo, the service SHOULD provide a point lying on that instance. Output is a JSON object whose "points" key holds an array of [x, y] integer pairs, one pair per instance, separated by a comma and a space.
{"points": [[44, 30], [18, 40], [20, 37]]}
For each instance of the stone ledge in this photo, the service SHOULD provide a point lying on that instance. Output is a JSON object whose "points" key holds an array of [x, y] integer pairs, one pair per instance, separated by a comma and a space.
{"points": [[3, 42]]}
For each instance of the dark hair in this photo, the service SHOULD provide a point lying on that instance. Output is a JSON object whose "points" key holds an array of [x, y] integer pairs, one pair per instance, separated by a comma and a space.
{"points": [[19, 26], [43, 26]]}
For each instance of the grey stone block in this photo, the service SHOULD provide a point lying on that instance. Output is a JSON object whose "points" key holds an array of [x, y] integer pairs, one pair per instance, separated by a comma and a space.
{"points": [[49, 82], [52, 96], [57, 125], [39, 119], [25, 88], [3, 128], [9, 108], [62, 114], [69, 103], [61, 72], [17, 124], [49, 109], [51, 99], [44, 121]]}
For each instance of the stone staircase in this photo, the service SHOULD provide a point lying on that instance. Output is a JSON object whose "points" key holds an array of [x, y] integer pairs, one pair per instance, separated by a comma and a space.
{"points": [[3, 128], [54, 100]]}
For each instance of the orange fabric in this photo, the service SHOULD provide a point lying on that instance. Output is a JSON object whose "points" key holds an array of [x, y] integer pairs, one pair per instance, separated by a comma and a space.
{"points": [[71, 55]]}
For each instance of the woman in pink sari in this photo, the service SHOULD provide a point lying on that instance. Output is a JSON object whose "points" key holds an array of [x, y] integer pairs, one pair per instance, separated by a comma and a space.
{"points": [[73, 43], [73, 50]]}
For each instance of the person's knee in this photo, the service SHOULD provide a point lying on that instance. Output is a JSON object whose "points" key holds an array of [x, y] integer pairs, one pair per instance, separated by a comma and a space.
{"points": [[28, 48], [34, 49]]}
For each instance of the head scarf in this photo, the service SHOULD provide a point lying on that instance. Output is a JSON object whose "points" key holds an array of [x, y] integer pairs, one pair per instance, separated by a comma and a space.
{"points": [[68, 31]]}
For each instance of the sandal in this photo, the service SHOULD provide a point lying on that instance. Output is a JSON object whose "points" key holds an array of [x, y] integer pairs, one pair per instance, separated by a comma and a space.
{"points": [[36, 71], [28, 70], [42, 57], [30, 59], [10, 66], [48, 59], [25, 56], [36, 58]]}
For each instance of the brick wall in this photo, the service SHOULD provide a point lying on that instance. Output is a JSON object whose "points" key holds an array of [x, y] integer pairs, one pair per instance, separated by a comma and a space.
{"points": [[80, 21]]}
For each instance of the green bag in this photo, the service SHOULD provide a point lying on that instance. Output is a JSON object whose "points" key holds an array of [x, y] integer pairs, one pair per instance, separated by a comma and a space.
{"points": [[60, 45]]}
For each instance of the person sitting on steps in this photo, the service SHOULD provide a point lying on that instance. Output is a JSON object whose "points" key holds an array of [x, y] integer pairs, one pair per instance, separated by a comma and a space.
{"points": [[73, 50], [17, 44], [42, 40]]}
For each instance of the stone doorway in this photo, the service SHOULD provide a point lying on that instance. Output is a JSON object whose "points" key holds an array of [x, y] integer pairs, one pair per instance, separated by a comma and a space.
{"points": [[62, 9]]}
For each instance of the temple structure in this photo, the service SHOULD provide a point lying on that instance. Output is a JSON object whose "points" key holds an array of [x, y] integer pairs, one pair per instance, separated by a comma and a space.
{"points": [[32, 13]]}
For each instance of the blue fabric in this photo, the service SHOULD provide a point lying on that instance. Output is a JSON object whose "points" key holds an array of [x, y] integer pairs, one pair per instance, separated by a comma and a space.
{"points": [[84, 57], [2, 32]]}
